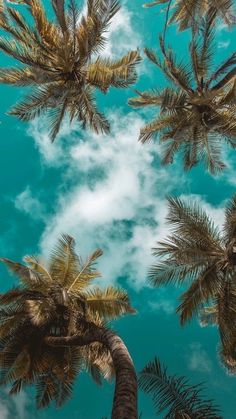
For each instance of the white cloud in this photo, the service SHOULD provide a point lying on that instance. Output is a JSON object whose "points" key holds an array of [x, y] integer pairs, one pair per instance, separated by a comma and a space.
{"points": [[25, 202], [122, 209], [116, 200], [14, 406], [198, 359], [52, 154], [223, 44], [164, 304], [4, 414], [119, 211], [121, 35]]}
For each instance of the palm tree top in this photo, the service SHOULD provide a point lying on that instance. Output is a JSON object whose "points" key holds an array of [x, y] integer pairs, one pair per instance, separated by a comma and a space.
{"points": [[199, 254], [59, 61], [56, 299], [187, 13], [198, 109]]}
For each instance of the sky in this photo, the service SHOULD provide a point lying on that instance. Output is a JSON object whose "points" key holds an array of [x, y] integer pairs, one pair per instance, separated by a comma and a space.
{"points": [[110, 192]]}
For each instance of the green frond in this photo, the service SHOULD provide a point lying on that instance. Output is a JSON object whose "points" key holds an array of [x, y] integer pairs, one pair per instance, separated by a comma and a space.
{"points": [[174, 395], [109, 303]]}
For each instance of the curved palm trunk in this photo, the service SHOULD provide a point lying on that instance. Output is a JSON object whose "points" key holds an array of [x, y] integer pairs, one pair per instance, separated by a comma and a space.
{"points": [[125, 396]]}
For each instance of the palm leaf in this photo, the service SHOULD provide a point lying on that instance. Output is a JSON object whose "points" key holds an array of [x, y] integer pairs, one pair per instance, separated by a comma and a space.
{"points": [[174, 396], [110, 303], [230, 220]]}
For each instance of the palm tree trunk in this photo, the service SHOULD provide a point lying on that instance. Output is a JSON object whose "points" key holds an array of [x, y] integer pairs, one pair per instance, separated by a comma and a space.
{"points": [[125, 396]]}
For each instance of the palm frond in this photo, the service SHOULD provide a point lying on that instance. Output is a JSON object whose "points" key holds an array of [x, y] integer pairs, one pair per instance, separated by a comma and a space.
{"points": [[29, 276], [120, 73], [230, 220], [174, 395], [87, 273], [33, 105], [110, 302], [88, 114], [189, 219], [201, 291], [64, 262]]}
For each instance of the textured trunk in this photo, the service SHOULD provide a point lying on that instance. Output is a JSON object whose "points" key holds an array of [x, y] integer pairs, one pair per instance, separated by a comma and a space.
{"points": [[125, 396]]}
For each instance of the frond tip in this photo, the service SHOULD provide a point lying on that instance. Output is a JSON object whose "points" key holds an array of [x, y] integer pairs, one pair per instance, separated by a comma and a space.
{"points": [[174, 395]]}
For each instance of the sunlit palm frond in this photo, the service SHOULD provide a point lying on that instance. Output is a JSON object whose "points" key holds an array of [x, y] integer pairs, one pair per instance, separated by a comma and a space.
{"points": [[197, 114], [64, 262], [86, 273], [110, 302], [121, 73], [29, 276], [59, 62]]}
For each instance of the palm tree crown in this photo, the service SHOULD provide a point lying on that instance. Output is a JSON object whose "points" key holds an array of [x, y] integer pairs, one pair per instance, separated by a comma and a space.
{"points": [[198, 252], [173, 396], [198, 112], [58, 61], [189, 12], [55, 300]]}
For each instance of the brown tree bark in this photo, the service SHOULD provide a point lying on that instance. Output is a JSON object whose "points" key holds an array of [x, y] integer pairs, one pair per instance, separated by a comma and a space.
{"points": [[125, 395]]}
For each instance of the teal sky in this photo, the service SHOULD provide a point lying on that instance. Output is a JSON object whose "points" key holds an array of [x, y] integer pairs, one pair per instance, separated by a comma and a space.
{"points": [[109, 192]]}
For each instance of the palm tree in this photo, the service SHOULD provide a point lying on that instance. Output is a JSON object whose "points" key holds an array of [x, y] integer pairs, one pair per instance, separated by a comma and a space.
{"points": [[197, 252], [189, 12], [54, 324], [198, 113], [59, 62], [173, 396]]}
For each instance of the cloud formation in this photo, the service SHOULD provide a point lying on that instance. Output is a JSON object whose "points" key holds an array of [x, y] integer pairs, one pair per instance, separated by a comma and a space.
{"points": [[198, 359], [115, 201]]}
